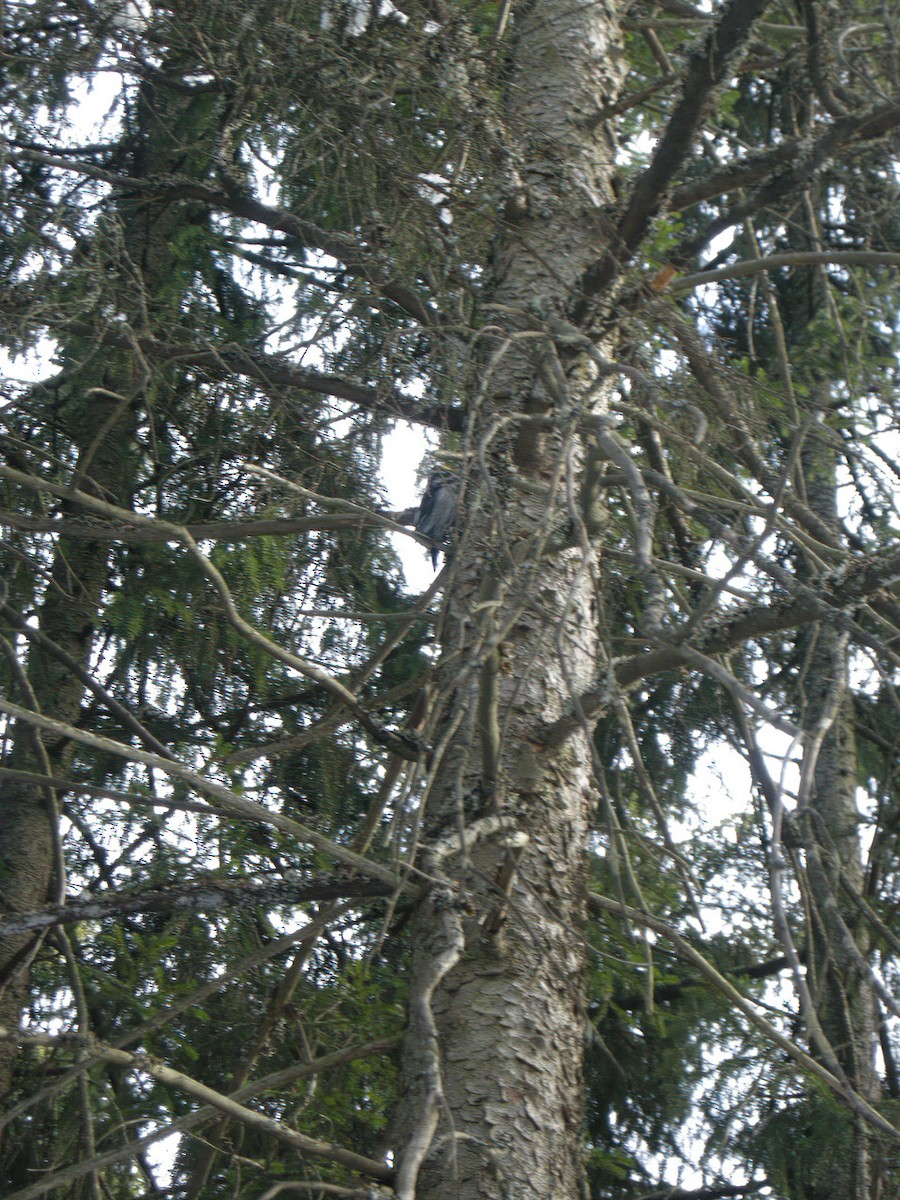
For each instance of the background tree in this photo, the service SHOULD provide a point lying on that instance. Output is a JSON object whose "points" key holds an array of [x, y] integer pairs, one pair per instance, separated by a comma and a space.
{"points": [[354, 888]]}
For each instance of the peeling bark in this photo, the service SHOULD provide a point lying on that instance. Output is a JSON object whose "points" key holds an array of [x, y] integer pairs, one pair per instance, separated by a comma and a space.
{"points": [[493, 1104]]}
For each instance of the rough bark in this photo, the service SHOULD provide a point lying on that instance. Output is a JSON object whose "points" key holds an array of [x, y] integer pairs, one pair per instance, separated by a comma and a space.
{"points": [[840, 983], [492, 1062]]}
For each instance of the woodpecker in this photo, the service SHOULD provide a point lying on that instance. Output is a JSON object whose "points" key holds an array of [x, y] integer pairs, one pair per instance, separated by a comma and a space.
{"points": [[436, 514]]}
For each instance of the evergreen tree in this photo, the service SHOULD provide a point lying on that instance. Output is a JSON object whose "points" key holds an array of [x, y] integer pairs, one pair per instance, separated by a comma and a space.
{"points": [[350, 890]]}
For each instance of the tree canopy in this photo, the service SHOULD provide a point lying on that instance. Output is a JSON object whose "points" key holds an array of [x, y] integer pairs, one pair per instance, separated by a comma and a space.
{"points": [[573, 871]]}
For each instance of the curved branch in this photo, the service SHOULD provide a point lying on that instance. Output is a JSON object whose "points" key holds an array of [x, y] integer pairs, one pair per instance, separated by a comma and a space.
{"points": [[403, 746], [836, 595], [686, 951], [797, 258]]}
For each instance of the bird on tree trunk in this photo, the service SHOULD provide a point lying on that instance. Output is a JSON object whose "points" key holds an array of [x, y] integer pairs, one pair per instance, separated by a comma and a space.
{"points": [[436, 514]]}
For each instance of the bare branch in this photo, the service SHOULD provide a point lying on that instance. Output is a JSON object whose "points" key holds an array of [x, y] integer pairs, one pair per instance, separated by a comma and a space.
{"points": [[221, 799], [346, 248], [200, 895], [706, 70], [797, 258], [686, 951], [837, 593], [223, 362], [790, 163], [185, 1083]]}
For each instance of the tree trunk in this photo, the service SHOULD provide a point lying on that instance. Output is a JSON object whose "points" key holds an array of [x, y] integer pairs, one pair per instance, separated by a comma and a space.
{"points": [[30, 855], [839, 942], [493, 1056]]}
